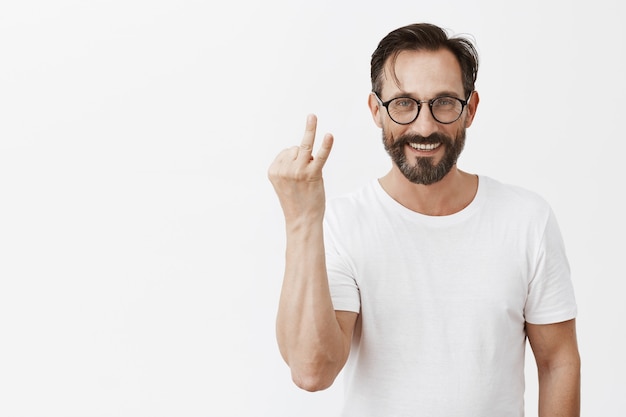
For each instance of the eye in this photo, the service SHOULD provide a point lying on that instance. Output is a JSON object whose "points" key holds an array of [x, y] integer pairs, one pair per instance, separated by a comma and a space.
{"points": [[403, 103], [445, 102]]}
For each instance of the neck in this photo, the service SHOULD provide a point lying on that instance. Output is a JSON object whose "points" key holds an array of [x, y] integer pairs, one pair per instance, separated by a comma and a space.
{"points": [[450, 195]]}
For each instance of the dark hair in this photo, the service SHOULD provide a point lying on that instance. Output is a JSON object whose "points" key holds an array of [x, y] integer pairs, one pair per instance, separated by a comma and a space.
{"points": [[424, 36]]}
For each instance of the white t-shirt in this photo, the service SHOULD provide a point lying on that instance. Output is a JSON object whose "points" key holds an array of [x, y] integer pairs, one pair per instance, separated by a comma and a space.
{"points": [[442, 300]]}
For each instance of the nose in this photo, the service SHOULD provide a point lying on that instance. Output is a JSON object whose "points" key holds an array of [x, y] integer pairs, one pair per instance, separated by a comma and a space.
{"points": [[425, 123]]}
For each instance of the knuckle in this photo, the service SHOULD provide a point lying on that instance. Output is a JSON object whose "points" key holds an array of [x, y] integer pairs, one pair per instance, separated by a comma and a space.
{"points": [[299, 173]]}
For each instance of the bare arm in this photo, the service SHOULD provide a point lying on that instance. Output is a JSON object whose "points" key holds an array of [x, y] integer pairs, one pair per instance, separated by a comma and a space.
{"points": [[313, 339], [558, 365]]}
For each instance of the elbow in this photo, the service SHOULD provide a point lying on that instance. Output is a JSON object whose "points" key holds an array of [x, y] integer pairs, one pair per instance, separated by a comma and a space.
{"points": [[312, 381], [316, 375]]}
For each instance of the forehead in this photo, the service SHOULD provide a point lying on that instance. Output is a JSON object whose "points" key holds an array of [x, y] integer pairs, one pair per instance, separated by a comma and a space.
{"points": [[423, 74]]}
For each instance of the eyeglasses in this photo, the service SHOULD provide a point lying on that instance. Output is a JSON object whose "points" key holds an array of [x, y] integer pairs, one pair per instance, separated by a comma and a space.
{"points": [[404, 110]]}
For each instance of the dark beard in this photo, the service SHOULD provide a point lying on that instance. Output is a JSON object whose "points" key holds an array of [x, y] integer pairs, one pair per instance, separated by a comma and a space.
{"points": [[423, 171]]}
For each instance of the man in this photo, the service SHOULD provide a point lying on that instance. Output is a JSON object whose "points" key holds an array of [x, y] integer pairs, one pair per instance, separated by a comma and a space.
{"points": [[426, 282]]}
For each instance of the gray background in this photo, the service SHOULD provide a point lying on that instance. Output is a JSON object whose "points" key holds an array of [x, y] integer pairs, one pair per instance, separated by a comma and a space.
{"points": [[141, 244]]}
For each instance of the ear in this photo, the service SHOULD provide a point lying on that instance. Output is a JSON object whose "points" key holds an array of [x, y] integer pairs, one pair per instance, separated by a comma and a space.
{"points": [[375, 109], [471, 108]]}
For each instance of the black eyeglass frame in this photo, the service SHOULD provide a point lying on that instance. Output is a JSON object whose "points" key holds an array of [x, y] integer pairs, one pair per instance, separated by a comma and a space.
{"points": [[430, 102]]}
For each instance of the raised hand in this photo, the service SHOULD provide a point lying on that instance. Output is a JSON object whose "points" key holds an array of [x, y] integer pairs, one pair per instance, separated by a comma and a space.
{"points": [[297, 176]]}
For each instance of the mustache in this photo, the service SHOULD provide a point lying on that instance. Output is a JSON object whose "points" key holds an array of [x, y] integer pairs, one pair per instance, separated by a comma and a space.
{"points": [[430, 139]]}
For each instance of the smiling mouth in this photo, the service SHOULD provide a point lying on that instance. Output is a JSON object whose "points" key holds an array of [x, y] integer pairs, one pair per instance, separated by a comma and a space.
{"points": [[424, 146]]}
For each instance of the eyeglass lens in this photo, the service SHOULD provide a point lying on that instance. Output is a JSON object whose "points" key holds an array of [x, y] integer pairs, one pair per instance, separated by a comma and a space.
{"points": [[444, 109]]}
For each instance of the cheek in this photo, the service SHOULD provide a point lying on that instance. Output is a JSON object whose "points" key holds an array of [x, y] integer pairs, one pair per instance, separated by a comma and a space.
{"points": [[467, 121], [391, 132], [460, 131], [454, 130]]}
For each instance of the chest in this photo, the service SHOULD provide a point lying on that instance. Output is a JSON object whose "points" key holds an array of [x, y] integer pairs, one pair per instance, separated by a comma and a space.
{"points": [[442, 272]]}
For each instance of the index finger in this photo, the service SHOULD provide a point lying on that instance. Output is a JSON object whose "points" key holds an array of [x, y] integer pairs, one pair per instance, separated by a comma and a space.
{"points": [[306, 146]]}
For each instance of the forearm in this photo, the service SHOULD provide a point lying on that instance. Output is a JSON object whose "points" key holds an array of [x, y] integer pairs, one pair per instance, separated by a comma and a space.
{"points": [[559, 390], [308, 333]]}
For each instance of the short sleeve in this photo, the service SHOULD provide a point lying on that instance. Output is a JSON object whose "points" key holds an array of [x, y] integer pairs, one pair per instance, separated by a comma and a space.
{"points": [[344, 290], [551, 296]]}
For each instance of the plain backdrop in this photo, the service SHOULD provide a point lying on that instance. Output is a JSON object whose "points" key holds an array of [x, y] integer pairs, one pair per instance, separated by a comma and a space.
{"points": [[141, 244]]}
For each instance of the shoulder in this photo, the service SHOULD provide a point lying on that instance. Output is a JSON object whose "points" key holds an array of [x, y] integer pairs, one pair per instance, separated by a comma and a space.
{"points": [[362, 197], [513, 197], [355, 209]]}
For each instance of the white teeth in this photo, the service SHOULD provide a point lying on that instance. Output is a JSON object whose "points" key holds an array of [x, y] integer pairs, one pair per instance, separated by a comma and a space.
{"points": [[424, 146]]}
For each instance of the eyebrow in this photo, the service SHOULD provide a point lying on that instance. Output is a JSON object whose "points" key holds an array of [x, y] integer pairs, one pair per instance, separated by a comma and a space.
{"points": [[443, 93]]}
